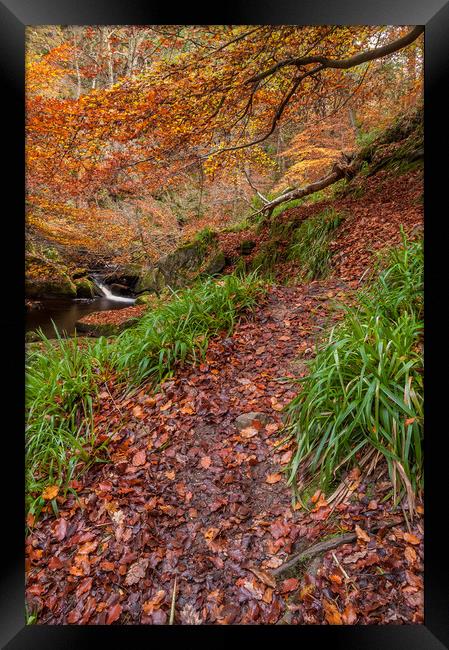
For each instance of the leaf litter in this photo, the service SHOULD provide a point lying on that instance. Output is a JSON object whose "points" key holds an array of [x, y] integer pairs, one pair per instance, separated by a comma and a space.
{"points": [[191, 498]]}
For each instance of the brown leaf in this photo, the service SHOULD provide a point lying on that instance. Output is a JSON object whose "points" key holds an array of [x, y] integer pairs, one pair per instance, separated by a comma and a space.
{"points": [[268, 595], [85, 585], [138, 412], [361, 534], [263, 576], [349, 615], [55, 563], [150, 605], [87, 548], [114, 614], [60, 529], [289, 585], [139, 458], [136, 571], [410, 554], [205, 462], [411, 539], [249, 432]]}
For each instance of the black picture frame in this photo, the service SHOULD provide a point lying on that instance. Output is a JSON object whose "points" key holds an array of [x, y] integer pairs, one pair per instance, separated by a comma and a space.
{"points": [[14, 16]]}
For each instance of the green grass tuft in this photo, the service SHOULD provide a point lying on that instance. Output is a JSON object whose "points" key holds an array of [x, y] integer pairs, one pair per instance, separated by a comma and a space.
{"points": [[365, 387]]}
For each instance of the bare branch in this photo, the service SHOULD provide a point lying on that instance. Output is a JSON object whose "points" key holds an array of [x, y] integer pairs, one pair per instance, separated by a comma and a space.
{"points": [[344, 64]]}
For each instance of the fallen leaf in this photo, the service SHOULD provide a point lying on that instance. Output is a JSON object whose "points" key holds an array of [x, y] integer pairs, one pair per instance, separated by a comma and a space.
{"points": [[410, 554], [361, 534], [264, 577], [411, 539], [349, 615], [331, 613], [138, 412], [268, 595], [139, 458], [50, 492], [136, 571], [60, 529], [205, 462], [249, 432], [114, 614], [150, 605], [290, 584], [336, 578], [273, 478], [87, 548]]}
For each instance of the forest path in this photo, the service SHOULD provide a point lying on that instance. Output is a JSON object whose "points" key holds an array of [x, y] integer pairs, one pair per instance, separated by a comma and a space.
{"points": [[189, 494]]}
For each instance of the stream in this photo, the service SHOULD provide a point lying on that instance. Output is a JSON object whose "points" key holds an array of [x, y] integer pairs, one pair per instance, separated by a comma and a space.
{"points": [[64, 312]]}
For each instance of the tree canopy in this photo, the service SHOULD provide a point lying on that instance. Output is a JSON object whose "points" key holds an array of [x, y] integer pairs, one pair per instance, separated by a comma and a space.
{"points": [[136, 134]]}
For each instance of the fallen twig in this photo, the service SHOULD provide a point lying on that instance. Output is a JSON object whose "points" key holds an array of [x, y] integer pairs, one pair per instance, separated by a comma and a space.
{"points": [[327, 545]]}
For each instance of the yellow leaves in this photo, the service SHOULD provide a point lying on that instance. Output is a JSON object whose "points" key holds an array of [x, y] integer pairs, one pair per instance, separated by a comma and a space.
{"points": [[50, 492], [331, 613]]}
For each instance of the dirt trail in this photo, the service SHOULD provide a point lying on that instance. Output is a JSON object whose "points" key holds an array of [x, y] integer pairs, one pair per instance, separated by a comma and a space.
{"points": [[201, 508], [190, 497]]}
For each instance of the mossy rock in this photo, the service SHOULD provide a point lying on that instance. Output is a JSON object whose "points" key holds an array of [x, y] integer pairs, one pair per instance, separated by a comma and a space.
{"points": [[45, 278], [85, 288], [79, 273], [144, 299], [216, 264], [150, 280], [104, 329]]}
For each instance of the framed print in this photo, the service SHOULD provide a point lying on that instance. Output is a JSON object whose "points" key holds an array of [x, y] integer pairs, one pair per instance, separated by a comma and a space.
{"points": [[222, 257]]}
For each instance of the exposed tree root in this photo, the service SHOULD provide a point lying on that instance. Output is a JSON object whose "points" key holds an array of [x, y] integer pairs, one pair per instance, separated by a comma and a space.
{"points": [[322, 547]]}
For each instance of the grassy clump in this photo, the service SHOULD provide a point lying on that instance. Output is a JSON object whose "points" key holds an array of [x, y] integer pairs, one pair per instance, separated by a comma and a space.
{"points": [[63, 378], [311, 243], [365, 387], [205, 237], [179, 330]]}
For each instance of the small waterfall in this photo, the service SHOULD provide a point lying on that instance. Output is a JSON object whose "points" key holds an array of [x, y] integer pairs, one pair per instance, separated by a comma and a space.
{"points": [[109, 295]]}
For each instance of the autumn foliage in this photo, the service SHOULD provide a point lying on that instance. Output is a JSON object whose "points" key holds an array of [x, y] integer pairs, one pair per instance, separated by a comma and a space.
{"points": [[139, 135]]}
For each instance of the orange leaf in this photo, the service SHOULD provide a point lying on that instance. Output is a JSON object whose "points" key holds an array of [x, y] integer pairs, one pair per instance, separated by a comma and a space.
{"points": [[273, 478], [205, 462], [331, 613], [114, 614], [50, 492], [361, 534], [249, 432], [289, 585], [411, 539]]}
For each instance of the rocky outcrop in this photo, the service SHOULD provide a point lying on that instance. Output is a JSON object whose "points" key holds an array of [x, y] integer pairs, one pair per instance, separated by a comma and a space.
{"points": [[45, 278], [84, 288], [182, 266]]}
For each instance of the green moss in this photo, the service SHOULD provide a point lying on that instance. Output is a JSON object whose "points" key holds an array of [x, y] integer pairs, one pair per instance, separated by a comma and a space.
{"points": [[84, 288]]}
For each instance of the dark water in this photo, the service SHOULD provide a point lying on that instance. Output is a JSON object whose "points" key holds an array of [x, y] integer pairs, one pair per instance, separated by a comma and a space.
{"points": [[65, 313]]}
